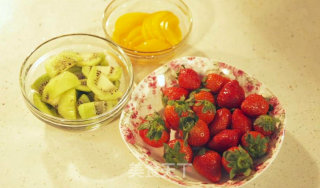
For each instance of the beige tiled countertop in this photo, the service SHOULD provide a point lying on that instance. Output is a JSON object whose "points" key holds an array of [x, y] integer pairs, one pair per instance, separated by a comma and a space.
{"points": [[276, 41]]}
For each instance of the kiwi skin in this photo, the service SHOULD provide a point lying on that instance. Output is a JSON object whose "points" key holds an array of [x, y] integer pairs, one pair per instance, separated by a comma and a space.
{"points": [[40, 83]]}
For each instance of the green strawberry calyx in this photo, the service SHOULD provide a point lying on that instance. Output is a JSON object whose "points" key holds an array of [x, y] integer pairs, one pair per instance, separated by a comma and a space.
{"points": [[180, 106], [239, 161], [256, 146], [186, 124], [174, 155], [207, 106], [164, 100], [155, 125], [268, 123]]}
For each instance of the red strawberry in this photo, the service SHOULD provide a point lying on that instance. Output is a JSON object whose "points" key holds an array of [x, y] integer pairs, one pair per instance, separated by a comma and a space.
{"points": [[196, 130], [204, 95], [241, 122], [221, 121], [265, 124], [204, 107], [255, 105], [174, 93], [215, 82], [153, 130], [255, 143], [237, 161], [189, 79], [208, 164], [176, 151], [231, 95], [224, 140], [174, 111]]}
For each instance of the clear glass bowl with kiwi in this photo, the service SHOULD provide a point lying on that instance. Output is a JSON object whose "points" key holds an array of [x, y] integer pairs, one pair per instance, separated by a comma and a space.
{"points": [[76, 81]]}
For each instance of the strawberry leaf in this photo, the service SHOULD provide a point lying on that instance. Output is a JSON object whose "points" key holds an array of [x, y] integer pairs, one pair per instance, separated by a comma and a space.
{"points": [[257, 147], [165, 100], [239, 161], [155, 125], [173, 155], [268, 123]]}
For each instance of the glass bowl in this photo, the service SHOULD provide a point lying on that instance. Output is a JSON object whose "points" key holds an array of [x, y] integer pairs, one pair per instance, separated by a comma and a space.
{"points": [[33, 67], [119, 7]]}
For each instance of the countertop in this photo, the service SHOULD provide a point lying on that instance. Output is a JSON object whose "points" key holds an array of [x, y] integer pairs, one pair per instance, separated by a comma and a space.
{"points": [[278, 42]]}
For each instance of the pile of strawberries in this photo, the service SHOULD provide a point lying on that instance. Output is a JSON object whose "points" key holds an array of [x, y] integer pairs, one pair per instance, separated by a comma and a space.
{"points": [[216, 126]]}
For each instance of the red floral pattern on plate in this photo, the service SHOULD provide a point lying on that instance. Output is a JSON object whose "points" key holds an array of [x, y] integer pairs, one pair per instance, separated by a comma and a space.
{"points": [[146, 99]]}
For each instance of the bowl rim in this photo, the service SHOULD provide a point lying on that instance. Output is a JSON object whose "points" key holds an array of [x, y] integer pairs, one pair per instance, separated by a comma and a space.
{"points": [[105, 17], [134, 151], [77, 123]]}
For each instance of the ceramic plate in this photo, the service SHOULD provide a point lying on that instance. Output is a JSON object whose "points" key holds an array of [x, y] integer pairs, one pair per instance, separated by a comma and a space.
{"points": [[146, 99]]}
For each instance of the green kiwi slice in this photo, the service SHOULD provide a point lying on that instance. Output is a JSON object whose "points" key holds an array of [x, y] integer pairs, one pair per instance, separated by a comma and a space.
{"points": [[58, 85], [86, 70], [101, 86], [83, 86], [116, 83], [40, 83], [67, 104], [91, 109], [76, 70], [43, 107], [113, 73], [91, 59], [83, 99], [61, 62]]}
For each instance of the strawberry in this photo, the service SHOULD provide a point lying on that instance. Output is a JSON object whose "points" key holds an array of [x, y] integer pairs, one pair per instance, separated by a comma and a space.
{"points": [[224, 140], [177, 151], [189, 79], [240, 121], [231, 95], [255, 105], [208, 164], [195, 130], [265, 124], [204, 95], [215, 82], [174, 93], [153, 130], [237, 161], [204, 107], [255, 143], [221, 121], [174, 111]]}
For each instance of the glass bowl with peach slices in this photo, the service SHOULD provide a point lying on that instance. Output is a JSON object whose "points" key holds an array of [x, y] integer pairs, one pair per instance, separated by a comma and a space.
{"points": [[76, 81], [148, 30]]}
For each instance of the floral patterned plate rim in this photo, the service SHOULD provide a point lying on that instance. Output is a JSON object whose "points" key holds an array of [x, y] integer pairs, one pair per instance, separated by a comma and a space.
{"points": [[146, 98]]}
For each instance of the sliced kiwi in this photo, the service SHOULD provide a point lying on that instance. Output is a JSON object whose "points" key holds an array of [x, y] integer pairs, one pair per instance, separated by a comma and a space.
{"points": [[76, 70], [83, 86], [91, 59], [110, 104], [61, 62], [113, 73], [91, 109], [67, 104], [58, 85], [86, 70], [83, 99], [43, 107], [101, 86], [116, 83], [110, 59], [40, 83]]}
